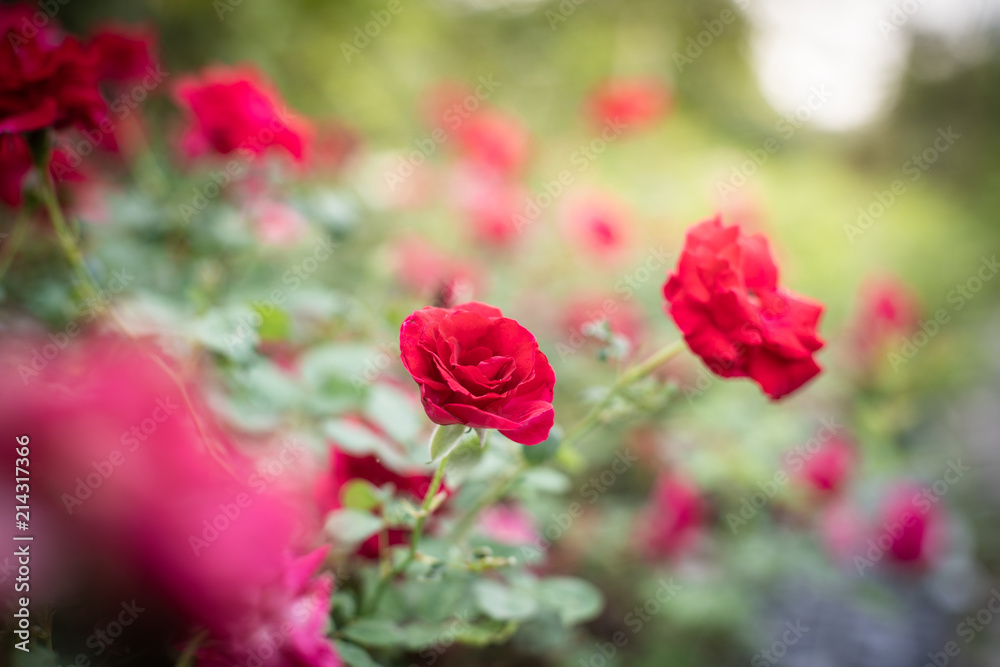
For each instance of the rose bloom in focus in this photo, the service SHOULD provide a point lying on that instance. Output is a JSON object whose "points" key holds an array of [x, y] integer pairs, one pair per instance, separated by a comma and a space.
{"points": [[478, 368], [725, 298]]}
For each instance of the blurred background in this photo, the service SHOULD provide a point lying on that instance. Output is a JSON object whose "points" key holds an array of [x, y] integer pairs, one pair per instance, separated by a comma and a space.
{"points": [[469, 149]]}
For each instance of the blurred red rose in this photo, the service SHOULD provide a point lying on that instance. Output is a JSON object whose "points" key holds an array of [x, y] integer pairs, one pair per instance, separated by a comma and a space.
{"points": [[15, 163], [725, 299], [826, 469], [494, 140], [910, 529], [888, 310], [479, 368], [136, 503], [292, 632], [622, 319], [232, 109], [672, 519], [344, 467], [125, 54], [490, 201], [45, 81], [636, 103], [597, 222], [429, 273]]}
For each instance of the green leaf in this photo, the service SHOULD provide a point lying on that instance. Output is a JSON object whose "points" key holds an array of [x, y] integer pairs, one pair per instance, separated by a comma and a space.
{"points": [[574, 599], [503, 603], [395, 412], [360, 495], [352, 526], [545, 450], [493, 632], [354, 655], [446, 438], [275, 323], [375, 632], [420, 635]]}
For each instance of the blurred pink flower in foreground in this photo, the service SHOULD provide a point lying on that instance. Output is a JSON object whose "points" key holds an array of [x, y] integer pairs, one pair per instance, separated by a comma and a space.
{"points": [[141, 506], [673, 518]]}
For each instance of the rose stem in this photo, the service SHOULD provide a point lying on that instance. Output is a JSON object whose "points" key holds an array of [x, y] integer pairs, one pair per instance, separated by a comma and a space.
{"points": [[632, 375], [418, 530]]}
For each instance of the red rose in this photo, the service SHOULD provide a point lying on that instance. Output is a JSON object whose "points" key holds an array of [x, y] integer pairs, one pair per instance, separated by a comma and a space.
{"points": [[479, 368], [235, 108], [725, 299], [124, 54], [45, 81]]}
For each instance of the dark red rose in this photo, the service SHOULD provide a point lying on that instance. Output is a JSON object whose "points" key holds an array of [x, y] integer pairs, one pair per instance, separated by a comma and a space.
{"points": [[725, 299], [344, 467], [826, 469], [673, 518], [124, 54], [232, 109], [45, 81], [479, 368], [15, 163]]}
